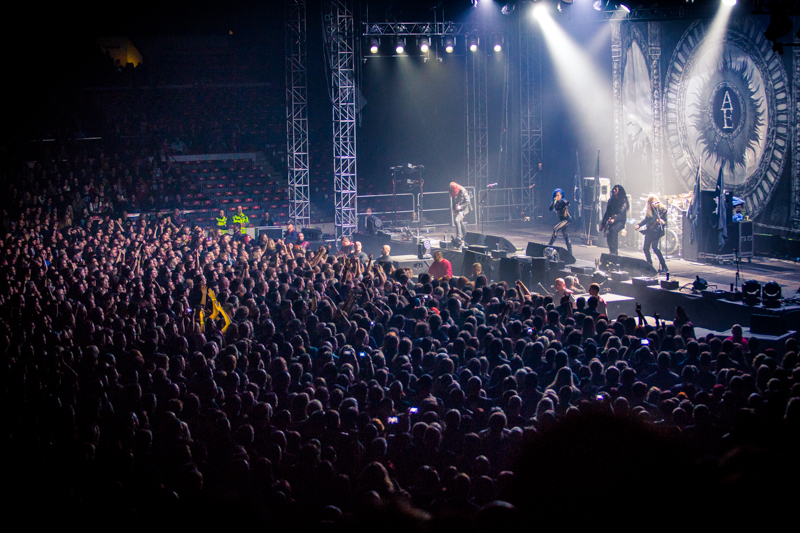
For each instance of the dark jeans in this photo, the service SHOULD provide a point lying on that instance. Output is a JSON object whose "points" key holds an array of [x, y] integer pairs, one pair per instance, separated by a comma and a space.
{"points": [[652, 240], [613, 236]]}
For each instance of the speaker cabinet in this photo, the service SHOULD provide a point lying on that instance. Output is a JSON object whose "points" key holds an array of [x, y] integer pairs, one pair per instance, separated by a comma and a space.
{"points": [[535, 249], [768, 324], [489, 265], [636, 267]]}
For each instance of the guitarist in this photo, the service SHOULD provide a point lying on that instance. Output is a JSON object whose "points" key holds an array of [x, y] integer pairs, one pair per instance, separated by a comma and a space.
{"points": [[654, 226], [461, 206], [615, 217]]}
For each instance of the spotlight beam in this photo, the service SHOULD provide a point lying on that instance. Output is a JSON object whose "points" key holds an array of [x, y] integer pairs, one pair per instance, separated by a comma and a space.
{"points": [[587, 90], [718, 26]]}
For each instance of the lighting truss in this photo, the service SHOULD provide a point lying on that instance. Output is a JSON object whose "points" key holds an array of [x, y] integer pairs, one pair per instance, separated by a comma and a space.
{"points": [[675, 12], [530, 106], [297, 113], [477, 122], [377, 29], [341, 35]]}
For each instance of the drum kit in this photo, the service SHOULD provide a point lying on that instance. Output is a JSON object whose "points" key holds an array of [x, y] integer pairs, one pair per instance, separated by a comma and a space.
{"points": [[677, 206]]}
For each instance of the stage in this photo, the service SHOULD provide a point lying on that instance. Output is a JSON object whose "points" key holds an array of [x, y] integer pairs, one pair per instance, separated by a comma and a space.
{"points": [[763, 270], [707, 312]]}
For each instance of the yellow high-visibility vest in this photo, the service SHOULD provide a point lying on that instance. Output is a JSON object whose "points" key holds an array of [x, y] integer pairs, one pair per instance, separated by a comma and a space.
{"points": [[241, 219]]}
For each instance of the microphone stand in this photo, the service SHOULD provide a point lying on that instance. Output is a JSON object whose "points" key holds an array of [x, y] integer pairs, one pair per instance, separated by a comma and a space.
{"points": [[738, 278], [483, 200]]}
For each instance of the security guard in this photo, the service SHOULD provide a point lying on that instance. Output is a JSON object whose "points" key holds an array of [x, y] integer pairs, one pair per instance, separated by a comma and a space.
{"points": [[222, 220], [241, 218]]}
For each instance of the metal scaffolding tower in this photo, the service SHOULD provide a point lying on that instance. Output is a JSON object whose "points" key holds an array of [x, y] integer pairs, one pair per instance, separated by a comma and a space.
{"points": [[341, 39], [297, 112], [477, 122], [530, 106]]}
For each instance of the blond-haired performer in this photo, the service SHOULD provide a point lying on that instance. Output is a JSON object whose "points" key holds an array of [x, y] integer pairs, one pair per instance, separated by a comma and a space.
{"points": [[655, 224]]}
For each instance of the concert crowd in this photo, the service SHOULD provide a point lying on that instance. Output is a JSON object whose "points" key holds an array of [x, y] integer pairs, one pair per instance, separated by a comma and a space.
{"points": [[158, 373]]}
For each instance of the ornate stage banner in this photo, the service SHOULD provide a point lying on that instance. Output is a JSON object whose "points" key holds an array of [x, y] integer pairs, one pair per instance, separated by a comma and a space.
{"points": [[725, 99]]}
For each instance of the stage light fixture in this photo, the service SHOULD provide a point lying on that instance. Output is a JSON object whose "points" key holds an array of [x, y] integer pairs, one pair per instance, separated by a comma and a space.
{"points": [[540, 11], [729, 2], [400, 45], [508, 9], [625, 8], [472, 43], [424, 44], [699, 284], [600, 5], [751, 292], [423, 249], [498, 42], [374, 44], [771, 294], [449, 43]]}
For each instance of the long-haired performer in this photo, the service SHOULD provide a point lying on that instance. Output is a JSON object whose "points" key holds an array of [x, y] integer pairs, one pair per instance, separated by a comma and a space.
{"points": [[561, 207], [615, 217], [655, 224], [461, 206]]}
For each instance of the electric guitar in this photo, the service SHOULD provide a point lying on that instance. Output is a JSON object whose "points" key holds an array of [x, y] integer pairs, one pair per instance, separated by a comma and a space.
{"points": [[458, 208], [657, 227]]}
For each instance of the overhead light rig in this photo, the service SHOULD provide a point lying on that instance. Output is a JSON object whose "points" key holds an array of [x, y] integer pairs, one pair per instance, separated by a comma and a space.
{"points": [[448, 34], [612, 12], [418, 29]]}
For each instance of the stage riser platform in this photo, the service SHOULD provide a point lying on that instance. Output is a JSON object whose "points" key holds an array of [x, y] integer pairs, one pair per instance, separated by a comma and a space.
{"points": [[706, 312], [712, 314]]}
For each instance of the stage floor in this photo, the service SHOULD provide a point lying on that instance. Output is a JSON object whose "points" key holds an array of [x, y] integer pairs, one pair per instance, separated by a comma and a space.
{"points": [[785, 273]]}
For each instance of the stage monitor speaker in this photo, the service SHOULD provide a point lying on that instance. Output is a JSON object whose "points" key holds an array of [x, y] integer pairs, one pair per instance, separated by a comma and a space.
{"points": [[474, 238], [536, 249], [636, 267], [493, 242]]}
